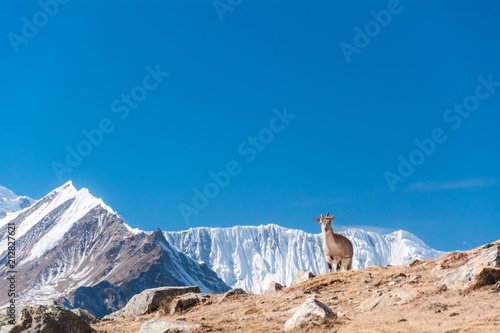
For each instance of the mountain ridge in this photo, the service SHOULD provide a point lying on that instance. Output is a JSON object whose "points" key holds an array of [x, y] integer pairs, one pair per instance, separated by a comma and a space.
{"points": [[84, 244], [250, 257], [10, 202]]}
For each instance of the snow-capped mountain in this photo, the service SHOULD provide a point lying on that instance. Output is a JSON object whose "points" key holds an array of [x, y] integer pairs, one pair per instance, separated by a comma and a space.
{"points": [[9, 202], [72, 247], [251, 257]]}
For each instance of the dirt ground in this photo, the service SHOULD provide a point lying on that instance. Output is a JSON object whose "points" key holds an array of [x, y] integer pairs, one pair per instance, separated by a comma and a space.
{"points": [[376, 299]]}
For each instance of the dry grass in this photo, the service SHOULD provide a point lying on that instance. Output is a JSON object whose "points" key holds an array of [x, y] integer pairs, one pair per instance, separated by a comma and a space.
{"points": [[345, 293]]}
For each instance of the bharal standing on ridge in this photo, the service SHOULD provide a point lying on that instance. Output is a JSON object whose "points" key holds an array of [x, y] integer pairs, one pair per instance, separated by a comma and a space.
{"points": [[337, 248]]}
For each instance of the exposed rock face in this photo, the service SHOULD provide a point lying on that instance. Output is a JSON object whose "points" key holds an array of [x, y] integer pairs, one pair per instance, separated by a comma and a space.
{"points": [[152, 300], [91, 258], [184, 302], [49, 319], [101, 299], [275, 286], [311, 312], [303, 276], [479, 271], [167, 325]]}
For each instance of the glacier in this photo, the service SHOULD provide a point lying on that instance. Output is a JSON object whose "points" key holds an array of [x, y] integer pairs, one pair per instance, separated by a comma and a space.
{"points": [[11, 203], [251, 257]]}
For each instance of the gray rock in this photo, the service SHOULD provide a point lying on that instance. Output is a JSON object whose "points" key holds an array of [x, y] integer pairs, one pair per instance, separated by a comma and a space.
{"points": [[312, 311], [275, 286], [302, 276], [166, 325], [6, 328], [413, 262], [184, 302], [151, 300], [47, 319], [473, 272], [232, 292], [86, 316]]}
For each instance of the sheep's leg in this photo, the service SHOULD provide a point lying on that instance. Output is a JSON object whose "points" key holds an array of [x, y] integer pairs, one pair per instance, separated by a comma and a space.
{"points": [[329, 268], [339, 265], [346, 263]]}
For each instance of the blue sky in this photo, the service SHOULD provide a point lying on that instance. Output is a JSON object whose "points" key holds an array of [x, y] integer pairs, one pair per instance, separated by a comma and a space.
{"points": [[90, 65]]}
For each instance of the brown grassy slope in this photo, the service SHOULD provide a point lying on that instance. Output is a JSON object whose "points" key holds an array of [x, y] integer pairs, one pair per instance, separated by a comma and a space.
{"points": [[376, 299]]}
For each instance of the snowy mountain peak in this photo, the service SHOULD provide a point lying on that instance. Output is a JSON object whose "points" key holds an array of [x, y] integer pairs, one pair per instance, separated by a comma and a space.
{"points": [[91, 258], [10, 202]]}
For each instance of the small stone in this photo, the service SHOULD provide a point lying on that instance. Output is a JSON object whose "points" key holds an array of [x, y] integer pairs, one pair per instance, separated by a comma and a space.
{"points": [[302, 276], [454, 314], [233, 292], [312, 311], [275, 286]]}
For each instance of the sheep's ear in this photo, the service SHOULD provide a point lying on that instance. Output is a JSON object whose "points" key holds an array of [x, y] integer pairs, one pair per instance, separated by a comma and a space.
{"points": [[317, 219], [332, 217]]}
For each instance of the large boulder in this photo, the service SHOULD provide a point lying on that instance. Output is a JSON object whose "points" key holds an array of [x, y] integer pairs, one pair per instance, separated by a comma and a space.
{"points": [[36, 318], [303, 277], [167, 325], [311, 312], [477, 272], [151, 300], [184, 302]]}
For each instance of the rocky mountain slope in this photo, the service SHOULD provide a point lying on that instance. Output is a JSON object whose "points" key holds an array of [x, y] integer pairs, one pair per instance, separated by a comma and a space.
{"points": [[72, 247], [9, 202], [422, 296], [251, 257]]}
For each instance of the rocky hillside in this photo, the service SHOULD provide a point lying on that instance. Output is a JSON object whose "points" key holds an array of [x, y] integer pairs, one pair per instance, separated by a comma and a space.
{"points": [[457, 292]]}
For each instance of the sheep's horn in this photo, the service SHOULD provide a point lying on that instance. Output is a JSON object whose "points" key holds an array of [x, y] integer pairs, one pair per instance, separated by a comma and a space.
{"points": [[321, 215], [328, 214]]}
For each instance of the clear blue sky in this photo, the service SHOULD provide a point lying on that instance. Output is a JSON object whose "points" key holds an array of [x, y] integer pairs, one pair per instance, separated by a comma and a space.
{"points": [[353, 119]]}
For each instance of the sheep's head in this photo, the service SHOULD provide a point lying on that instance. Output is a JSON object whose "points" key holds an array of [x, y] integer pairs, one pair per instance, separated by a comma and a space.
{"points": [[325, 221]]}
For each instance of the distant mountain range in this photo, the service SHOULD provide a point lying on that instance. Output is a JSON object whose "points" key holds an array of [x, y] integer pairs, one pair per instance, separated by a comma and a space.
{"points": [[251, 257], [9, 202], [74, 248]]}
